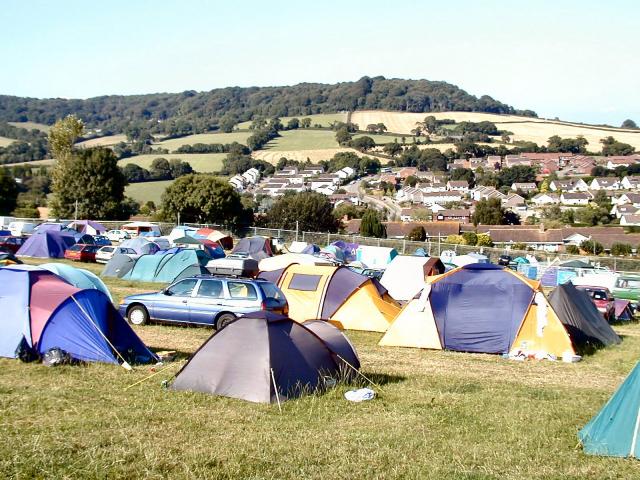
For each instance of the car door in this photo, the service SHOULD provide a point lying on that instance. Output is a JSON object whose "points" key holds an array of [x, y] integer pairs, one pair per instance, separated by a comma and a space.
{"points": [[243, 297], [207, 301], [173, 303]]}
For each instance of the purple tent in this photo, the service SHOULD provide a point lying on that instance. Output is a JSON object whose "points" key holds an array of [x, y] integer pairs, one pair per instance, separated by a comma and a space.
{"points": [[88, 226], [349, 250], [46, 244]]}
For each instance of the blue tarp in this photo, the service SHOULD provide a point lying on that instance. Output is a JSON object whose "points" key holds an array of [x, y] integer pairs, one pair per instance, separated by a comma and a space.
{"points": [[46, 244], [14, 305], [479, 308]]}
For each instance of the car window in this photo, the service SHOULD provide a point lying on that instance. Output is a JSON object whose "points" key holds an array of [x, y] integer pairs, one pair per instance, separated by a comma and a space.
{"points": [[242, 290], [183, 288], [76, 248], [599, 295], [210, 289], [92, 248], [107, 249], [271, 291]]}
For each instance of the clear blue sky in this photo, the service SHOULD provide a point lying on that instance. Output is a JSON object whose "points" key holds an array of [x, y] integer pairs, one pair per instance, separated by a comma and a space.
{"points": [[578, 60]]}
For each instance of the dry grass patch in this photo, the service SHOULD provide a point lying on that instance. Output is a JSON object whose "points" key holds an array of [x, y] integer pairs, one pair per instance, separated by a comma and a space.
{"points": [[108, 141], [31, 126], [314, 156]]}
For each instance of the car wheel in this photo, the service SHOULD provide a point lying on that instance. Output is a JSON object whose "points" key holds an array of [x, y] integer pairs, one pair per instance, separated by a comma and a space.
{"points": [[138, 315], [224, 320]]}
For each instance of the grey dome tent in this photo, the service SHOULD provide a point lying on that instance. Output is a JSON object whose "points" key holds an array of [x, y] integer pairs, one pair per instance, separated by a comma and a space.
{"points": [[118, 266], [338, 343], [261, 357], [586, 326]]}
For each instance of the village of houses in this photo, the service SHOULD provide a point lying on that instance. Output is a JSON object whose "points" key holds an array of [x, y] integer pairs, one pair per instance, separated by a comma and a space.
{"points": [[572, 187]]}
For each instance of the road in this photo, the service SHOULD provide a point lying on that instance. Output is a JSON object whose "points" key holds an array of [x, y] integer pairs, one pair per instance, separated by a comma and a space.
{"points": [[385, 204]]}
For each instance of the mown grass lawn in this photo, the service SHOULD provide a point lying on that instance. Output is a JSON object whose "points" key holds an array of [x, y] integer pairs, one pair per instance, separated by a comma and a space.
{"points": [[438, 415]]}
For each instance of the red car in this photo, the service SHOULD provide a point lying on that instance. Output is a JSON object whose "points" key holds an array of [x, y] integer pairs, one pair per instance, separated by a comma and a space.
{"points": [[602, 299], [11, 244], [82, 253]]}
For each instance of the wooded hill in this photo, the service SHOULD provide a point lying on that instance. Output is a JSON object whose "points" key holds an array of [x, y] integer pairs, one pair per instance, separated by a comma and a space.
{"points": [[196, 112]]}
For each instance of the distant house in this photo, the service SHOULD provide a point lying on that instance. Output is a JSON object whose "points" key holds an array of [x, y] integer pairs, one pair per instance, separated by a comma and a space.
{"points": [[629, 198], [405, 172], [621, 161], [251, 176], [441, 197], [605, 183], [630, 183], [458, 186], [460, 215], [630, 219], [237, 182], [526, 187], [545, 199], [409, 194], [484, 193], [516, 160], [286, 172], [576, 198], [578, 185], [435, 187], [625, 209], [514, 202], [345, 173]]}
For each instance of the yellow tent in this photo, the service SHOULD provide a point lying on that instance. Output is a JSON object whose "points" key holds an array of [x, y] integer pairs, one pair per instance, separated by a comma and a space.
{"points": [[480, 309], [347, 299]]}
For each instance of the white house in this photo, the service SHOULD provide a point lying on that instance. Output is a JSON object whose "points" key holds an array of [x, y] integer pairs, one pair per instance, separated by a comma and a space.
{"points": [[629, 197], [435, 187], [484, 193], [251, 176], [605, 183], [327, 190], [526, 187], [237, 182], [458, 186], [630, 183], [545, 199], [441, 197], [626, 209], [321, 184], [577, 198], [286, 171], [578, 185], [345, 173], [630, 219]]}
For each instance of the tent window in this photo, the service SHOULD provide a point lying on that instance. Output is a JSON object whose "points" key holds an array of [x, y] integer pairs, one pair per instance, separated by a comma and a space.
{"points": [[304, 282]]}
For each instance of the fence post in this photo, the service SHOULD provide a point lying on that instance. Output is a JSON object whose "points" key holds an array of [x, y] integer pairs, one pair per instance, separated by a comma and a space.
{"points": [[404, 245], [255, 231], [328, 238]]}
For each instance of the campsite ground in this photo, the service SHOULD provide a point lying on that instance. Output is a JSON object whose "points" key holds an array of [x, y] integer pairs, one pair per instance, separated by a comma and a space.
{"points": [[438, 415]]}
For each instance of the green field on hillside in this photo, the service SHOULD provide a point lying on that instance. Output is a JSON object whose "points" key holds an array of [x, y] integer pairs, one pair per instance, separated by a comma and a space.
{"points": [[145, 191], [437, 415], [200, 162], [4, 141], [303, 140], [382, 139], [322, 119], [175, 143], [31, 126]]}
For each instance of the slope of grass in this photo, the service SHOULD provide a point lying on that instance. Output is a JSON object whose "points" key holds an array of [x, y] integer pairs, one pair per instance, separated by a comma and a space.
{"points": [[145, 191], [175, 143], [4, 141], [31, 126], [200, 162], [322, 119], [437, 415], [107, 141], [302, 139]]}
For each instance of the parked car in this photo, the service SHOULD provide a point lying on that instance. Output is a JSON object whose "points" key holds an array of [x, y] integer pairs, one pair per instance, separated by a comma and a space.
{"points": [[81, 253], [11, 244], [205, 300], [104, 254], [18, 229], [505, 260], [602, 299], [101, 240], [627, 287], [117, 235]]}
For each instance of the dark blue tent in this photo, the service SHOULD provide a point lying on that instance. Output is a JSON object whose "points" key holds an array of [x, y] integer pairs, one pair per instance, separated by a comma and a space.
{"points": [[46, 244], [479, 308]]}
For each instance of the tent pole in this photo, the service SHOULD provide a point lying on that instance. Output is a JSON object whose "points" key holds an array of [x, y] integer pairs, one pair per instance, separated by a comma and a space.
{"points": [[124, 364], [360, 373], [275, 388], [152, 375], [635, 435]]}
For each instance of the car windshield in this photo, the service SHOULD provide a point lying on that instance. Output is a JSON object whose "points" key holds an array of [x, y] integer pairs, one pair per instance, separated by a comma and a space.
{"points": [[271, 291], [183, 288], [76, 248], [107, 249], [242, 290]]}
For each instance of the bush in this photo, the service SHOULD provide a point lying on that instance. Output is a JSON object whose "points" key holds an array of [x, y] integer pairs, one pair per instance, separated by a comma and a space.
{"points": [[484, 240], [417, 234], [621, 249], [455, 239], [470, 238], [572, 250], [592, 247]]}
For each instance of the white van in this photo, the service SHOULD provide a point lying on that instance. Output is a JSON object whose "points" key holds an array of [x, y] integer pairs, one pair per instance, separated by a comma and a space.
{"points": [[21, 228], [5, 222]]}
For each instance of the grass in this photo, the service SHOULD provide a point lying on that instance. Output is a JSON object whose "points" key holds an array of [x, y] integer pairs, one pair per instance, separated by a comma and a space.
{"points": [[322, 119], [31, 126], [384, 139], [145, 191], [272, 156], [107, 141], [303, 140], [4, 141], [200, 162], [439, 415], [175, 143]]}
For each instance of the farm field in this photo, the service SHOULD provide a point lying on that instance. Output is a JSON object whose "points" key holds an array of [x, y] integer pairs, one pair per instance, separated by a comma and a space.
{"points": [[437, 415], [322, 119], [272, 156], [523, 128], [175, 143], [145, 191], [382, 139], [200, 162], [107, 141], [4, 141], [36, 163], [303, 140], [31, 126]]}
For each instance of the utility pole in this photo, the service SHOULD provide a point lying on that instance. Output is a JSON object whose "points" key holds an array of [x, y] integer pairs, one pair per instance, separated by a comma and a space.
{"points": [[76, 214]]}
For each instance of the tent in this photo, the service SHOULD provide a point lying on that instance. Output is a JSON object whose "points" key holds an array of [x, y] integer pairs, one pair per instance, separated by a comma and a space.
{"points": [[254, 247], [214, 249], [303, 247], [333, 253], [46, 312], [169, 267], [141, 245], [118, 266], [480, 308], [50, 227], [8, 258], [469, 259], [348, 249], [88, 226], [283, 261], [404, 277], [623, 310], [338, 343], [186, 241], [78, 277], [46, 244], [615, 430], [375, 256], [581, 318], [260, 357], [225, 240], [346, 298], [181, 231]]}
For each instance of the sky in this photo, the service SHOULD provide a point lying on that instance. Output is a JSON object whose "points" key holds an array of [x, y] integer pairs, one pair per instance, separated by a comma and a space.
{"points": [[576, 60]]}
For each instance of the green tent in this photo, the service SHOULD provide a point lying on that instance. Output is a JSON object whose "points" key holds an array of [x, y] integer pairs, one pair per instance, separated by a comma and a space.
{"points": [[169, 267], [614, 431]]}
